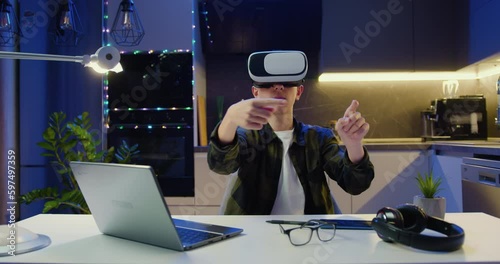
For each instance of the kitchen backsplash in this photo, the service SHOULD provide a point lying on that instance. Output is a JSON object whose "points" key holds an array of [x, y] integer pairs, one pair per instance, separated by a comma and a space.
{"points": [[391, 108]]}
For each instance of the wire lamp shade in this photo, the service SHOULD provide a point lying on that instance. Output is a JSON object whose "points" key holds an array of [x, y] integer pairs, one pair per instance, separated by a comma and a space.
{"points": [[68, 27], [127, 28], [9, 25]]}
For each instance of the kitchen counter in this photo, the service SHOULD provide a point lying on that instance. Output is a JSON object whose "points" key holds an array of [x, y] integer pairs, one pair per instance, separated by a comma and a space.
{"points": [[470, 148], [376, 144], [483, 147]]}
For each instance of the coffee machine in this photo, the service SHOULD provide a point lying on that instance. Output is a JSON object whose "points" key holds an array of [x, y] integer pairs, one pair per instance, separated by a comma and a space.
{"points": [[461, 118]]}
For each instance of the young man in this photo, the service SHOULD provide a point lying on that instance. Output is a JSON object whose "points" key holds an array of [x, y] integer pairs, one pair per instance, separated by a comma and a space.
{"points": [[281, 162]]}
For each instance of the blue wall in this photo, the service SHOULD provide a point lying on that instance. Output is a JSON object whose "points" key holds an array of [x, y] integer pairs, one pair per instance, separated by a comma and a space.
{"points": [[46, 87]]}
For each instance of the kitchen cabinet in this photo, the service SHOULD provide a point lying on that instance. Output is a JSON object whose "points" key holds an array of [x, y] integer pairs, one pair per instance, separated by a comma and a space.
{"points": [[381, 35], [396, 167], [447, 165], [343, 199], [394, 183], [439, 33], [484, 35], [366, 35], [180, 205], [209, 189]]}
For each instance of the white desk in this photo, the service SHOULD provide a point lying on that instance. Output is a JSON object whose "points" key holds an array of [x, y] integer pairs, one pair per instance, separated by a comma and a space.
{"points": [[76, 239]]}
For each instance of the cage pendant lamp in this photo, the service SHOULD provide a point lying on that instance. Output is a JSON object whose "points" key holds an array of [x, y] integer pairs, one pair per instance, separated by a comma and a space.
{"points": [[68, 27], [127, 29], [9, 25]]}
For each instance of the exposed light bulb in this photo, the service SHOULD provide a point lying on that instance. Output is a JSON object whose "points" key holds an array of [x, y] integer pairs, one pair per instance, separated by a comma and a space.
{"points": [[66, 20], [127, 20], [5, 23]]}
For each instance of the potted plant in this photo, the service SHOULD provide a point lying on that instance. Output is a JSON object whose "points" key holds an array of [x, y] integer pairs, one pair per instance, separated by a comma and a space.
{"points": [[72, 141], [429, 201]]}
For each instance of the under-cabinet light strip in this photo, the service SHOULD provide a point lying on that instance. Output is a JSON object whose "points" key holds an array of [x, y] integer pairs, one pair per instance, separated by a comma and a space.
{"points": [[405, 76], [394, 76], [151, 109]]}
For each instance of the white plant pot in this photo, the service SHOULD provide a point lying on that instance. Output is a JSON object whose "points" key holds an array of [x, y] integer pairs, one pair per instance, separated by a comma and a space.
{"points": [[432, 206]]}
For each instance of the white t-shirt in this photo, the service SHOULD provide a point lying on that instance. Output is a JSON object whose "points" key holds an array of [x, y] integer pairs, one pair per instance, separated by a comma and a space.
{"points": [[290, 199]]}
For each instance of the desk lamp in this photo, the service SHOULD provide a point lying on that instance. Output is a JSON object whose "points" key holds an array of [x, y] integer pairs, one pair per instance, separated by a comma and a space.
{"points": [[19, 239], [105, 59], [16, 240]]}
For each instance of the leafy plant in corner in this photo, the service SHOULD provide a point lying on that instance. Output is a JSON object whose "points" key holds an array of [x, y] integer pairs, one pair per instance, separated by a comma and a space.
{"points": [[428, 184], [66, 141]]}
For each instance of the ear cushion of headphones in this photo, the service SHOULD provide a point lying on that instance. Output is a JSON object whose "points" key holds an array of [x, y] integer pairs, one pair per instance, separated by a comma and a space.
{"points": [[388, 216], [391, 216], [414, 218]]}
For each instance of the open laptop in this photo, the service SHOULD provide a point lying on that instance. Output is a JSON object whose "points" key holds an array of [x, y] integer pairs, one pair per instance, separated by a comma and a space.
{"points": [[126, 201]]}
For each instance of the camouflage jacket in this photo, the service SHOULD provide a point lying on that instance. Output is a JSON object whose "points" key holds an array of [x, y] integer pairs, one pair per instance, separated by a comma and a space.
{"points": [[257, 156]]}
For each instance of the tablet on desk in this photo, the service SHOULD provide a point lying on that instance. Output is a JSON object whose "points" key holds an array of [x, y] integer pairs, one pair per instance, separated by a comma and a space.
{"points": [[339, 223], [350, 224]]}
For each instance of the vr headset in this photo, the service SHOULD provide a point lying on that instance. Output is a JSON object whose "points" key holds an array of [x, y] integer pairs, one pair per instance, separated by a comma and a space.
{"points": [[284, 67], [405, 223]]}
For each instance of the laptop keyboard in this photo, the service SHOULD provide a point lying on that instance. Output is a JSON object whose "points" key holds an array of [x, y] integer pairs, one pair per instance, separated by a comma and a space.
{"points": [[191, 236]]}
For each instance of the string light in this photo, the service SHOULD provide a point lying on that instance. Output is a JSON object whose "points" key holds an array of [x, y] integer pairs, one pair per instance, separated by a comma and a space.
{"points": [[152, 126], [153, 109], [207, 26], [107, 110], [105, 29], [105, 38]]}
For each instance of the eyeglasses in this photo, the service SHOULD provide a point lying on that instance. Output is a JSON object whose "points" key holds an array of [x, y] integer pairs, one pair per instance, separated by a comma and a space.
{"points": [[302, 235], [271, 84]]}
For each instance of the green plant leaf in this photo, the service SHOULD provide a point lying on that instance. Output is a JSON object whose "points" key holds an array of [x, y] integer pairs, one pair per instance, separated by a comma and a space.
{"points": [[109, 155], [125, 154], [49, 134], [70, 141], [48, 193], [45, 145], [71, 199], [50, 205], [428, 184], [68, 145], [74, 196], [65, 137], [63, 170], [70, 156]]}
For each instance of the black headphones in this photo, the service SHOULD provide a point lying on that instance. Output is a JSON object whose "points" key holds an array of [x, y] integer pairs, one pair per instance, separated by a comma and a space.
{"points": [[404, 224]]}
